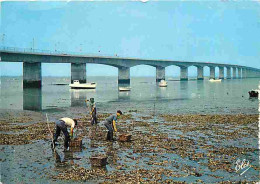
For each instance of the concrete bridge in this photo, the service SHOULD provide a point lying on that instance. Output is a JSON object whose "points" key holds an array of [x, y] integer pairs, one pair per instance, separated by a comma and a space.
{"points": [[32, 60]]}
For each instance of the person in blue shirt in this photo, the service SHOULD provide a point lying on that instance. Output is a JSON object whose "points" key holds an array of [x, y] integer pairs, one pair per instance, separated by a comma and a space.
{"points": [[110, 124]]}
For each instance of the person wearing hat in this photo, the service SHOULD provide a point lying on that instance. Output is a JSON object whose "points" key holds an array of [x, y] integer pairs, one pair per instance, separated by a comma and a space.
{"points": [[93, 111], [61, 125], [110, 124]]}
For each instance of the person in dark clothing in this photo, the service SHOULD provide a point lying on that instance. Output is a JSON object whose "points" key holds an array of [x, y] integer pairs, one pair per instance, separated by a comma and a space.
{"points": [[93, 111], [110, 124], [61, 125]]}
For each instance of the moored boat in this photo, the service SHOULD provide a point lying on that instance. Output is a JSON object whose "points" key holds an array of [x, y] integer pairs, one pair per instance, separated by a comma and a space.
{"points": [[124, 88], [215, 80], [77, 85], [253, 93], [163, 83]]}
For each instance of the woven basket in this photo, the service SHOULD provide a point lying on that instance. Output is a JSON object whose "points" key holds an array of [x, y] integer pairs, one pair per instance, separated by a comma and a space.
{"points": [[77, 142], [125, 137], [98, 161]]}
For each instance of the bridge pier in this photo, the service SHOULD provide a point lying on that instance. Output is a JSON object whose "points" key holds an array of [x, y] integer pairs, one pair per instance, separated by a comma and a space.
{"points": [[160, 73], [124, 75], [212, 72], [200, 75], [234, 73], [244, 73], [248, 73], [221, 72], [32, 99], [252, 73], [78, 72], [32, 75], [184, 73], [257, 74], [228, 72], [239, 73]]}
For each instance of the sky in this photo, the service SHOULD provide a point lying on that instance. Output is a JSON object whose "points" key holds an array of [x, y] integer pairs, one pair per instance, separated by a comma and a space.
{"points": [[201, 31]]}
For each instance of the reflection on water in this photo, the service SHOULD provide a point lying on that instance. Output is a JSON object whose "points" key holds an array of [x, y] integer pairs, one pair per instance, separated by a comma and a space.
{"points": [[78, 96], [62, 159], [183, 85], [32, 99], [124, 95], [178, 96], [123, 85]]}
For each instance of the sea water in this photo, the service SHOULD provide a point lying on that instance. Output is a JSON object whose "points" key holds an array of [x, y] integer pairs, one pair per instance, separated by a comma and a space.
{"points": [[179, 97]]}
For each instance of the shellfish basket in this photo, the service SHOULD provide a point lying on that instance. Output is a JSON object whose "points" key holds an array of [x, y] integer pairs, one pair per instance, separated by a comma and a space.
{"points": [[98, 161], [125, 137], [77, 142]]}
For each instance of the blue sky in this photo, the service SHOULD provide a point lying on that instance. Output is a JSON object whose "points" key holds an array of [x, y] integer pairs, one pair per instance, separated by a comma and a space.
{"points": [[215, 31]]}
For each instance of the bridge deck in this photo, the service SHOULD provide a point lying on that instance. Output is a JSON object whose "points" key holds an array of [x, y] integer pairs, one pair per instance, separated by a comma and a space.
{"points": [[44, 56]]}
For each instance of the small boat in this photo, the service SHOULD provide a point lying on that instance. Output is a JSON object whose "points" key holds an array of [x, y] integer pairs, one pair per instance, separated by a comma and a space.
{"points": [[77, 85], [124, 88], [163, 83], [215, 80], [254, 93]]}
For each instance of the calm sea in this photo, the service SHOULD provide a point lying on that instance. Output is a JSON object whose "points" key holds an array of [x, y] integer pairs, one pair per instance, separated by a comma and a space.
{"points": [[228, 96]]}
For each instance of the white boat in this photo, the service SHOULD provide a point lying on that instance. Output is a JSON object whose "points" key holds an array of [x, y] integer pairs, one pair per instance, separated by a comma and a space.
{"points": [[215, 80], [124, 88], [163, 83], [77, 85], [254, 93]]}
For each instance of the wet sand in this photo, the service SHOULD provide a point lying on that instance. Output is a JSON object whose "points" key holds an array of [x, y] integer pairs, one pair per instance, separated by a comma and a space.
{"points": [[164, 149]]}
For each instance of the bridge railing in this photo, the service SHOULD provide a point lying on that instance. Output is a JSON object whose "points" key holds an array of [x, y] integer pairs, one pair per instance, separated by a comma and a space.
{"points": [[31, 50], [52, 52], [57, 52]]}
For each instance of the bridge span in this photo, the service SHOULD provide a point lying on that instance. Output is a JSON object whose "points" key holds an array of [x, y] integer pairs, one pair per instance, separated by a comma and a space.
{"points": [[32, 59]]}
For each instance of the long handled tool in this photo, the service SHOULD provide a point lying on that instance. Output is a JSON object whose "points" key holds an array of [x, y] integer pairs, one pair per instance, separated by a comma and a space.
{"points": [[50, 131], [90, 111]]}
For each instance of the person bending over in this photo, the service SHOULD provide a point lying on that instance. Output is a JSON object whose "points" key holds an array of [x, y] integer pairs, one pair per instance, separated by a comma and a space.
{"points": [[61, 125], [111, 124]]}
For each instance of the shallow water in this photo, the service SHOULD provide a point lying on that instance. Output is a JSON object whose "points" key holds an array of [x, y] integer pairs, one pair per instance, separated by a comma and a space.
{"points": [[180, 97], [35, 163]]}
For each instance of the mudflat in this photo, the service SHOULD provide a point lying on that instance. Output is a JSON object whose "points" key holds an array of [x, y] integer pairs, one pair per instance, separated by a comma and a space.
{"points": [[205, 148]]}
